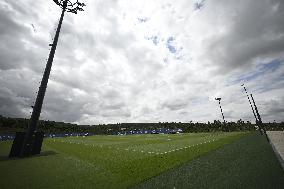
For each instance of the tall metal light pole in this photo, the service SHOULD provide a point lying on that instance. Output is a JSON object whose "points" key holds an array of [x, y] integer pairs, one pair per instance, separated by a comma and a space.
{"points": [[250, 102], [253, 111], [256, 110], [219, 99], [68, 6], [259, 119]]}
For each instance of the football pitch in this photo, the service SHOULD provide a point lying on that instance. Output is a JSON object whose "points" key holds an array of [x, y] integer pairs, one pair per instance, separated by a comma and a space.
{"points": [[110, 161]]}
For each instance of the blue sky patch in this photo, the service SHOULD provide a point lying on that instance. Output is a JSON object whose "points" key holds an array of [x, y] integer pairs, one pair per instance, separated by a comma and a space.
{"points": [[155, 39], [198, 5], [260, 70], [170, 45], [199, 100], [142, 19]]}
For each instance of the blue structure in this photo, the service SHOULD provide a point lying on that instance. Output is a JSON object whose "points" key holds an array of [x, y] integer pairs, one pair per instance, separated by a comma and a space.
{"points": [[4, 137], [155, 131]]}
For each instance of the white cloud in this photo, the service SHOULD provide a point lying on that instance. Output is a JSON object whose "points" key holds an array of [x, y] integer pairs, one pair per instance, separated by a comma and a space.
{"points": [[108, 68]]}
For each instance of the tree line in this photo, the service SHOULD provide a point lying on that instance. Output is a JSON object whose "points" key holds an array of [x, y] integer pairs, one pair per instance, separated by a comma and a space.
{"points": [[12, 125]]}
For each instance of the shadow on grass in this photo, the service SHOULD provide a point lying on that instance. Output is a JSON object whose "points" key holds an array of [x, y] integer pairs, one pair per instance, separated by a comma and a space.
{"points": [[44, 153]]}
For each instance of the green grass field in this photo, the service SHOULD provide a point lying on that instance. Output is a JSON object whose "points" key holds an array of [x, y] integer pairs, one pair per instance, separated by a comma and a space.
{"points": [[108, 161], [248, 163]]}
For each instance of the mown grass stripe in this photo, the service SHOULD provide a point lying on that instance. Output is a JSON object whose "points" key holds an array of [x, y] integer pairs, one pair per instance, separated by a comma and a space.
{"points": [[248, 163], [85, 166]]}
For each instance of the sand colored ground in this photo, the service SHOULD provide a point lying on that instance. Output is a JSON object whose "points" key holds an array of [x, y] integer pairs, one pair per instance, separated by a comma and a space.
{"points": [[277, 141]]}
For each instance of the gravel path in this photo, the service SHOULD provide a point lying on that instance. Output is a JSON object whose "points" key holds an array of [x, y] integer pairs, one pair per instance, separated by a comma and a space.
{"points": [[277, 143]]}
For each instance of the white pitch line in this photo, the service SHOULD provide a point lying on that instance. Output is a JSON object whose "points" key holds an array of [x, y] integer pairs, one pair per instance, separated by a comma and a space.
{"points": [[142, 151], [186, 147]]}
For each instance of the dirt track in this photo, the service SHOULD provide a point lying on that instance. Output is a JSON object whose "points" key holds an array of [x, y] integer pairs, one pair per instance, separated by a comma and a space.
{"points": [[277, 142]]}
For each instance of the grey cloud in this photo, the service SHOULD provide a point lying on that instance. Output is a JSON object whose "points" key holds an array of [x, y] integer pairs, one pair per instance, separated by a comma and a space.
{"points": [[24, 8], [110, 93], [17, 91], [116, 113], [113, 106], [104, 72], [117, 39], [11, 104], [8, 25], [176, 104], [146, 110], [143, 64], [12, 49], [276, 109], [63, 103], [73, 38], [25, 83], [14, 52], [254, 30], [273, 109]]}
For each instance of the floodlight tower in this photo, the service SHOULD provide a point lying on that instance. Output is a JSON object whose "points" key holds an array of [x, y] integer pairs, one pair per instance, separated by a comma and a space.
{"points": [[256, 110], [253, 110], [243, 85], [219, 100], [68, 6], [259, 119]]}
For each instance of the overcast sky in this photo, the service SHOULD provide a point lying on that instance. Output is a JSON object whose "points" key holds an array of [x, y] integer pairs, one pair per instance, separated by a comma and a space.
{"points": [[144, 61]]}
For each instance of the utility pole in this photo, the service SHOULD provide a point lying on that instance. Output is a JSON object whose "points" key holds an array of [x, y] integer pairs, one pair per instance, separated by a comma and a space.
{"points": [[67, 6], [219, 100]]}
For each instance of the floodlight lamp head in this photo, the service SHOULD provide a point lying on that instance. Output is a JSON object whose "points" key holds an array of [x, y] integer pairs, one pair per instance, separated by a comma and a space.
{"points": [[218, 99], [69, 6]]}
